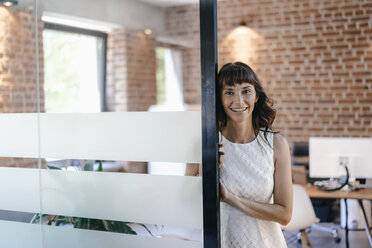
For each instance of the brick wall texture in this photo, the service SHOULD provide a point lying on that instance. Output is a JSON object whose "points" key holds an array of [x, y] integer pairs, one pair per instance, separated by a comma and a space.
{"points": [[183, 23], [18, 93], [313, 57], [131, 71], [130, 77], [18, 62]]}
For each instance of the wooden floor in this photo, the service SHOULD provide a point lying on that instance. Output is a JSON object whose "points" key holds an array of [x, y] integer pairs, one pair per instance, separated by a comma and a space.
{"points": [[357, 239]]}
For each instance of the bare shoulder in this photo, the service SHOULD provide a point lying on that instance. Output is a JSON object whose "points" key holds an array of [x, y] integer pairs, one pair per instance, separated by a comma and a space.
{"points": [[281, 147], [279, 141]]}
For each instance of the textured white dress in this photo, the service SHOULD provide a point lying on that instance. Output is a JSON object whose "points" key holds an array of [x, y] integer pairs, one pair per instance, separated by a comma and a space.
{"points": [[248, 172]]}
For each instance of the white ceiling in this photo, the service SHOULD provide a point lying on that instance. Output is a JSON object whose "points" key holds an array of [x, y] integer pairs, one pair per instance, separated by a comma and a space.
{"points": [[169, 3]]}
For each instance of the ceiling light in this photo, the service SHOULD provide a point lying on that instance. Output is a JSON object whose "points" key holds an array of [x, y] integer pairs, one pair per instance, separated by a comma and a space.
{"points": [[8, 3], [239, 24], [147, 31]]}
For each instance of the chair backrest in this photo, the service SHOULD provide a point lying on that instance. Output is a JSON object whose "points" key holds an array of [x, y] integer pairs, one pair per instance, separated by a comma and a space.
{"points": [[300, 154], [303, 214], [299, 175]]}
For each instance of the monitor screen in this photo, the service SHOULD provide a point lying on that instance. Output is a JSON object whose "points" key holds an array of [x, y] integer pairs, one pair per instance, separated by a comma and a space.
{"points": [[326, 154]]}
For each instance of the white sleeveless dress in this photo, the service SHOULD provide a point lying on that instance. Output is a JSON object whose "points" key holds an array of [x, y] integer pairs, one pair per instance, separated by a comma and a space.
{"points": [[248, 172]]}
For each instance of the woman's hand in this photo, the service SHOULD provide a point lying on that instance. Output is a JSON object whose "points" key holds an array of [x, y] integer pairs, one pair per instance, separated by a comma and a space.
{"points": [[220, 154], [224, 193]]}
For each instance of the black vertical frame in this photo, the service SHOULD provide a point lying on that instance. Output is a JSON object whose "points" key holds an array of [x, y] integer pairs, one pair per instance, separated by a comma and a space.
{"points": [[208, 53]]}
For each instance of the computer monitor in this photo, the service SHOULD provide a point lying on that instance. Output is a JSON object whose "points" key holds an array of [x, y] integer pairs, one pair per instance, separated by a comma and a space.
{"points": [[326, 154]]}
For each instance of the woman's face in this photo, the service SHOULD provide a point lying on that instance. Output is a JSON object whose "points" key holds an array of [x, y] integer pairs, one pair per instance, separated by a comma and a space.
{"points": [[238, 101]]}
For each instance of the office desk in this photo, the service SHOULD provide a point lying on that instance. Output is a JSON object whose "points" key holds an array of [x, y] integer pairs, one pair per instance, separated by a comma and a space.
{"points": [[362, 194]]}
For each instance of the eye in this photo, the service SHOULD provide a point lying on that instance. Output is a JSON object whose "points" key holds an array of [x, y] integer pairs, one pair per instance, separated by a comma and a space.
{"points": [[246, 91], [229, 93]]}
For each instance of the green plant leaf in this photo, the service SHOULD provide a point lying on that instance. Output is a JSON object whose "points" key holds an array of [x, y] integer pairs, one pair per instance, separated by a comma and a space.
{"points": [[100, 166], [53, 167], [88, 167], [77, 223]]}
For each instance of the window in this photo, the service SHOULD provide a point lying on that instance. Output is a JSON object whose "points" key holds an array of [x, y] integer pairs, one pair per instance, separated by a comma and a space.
{"points": [[169, 79], [74, 69]]}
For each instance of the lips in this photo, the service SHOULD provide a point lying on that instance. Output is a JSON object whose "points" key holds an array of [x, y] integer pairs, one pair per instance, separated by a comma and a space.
{"points": [[238, 109]]}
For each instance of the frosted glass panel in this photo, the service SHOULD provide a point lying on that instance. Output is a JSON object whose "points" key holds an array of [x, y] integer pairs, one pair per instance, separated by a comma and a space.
{"points": [[19, 235], [18, 135], [19, 190], [168, 200], [131, 136], [57, 237]]}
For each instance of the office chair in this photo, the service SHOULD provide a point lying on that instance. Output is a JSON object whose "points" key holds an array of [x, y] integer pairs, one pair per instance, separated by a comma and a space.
{"points": [[303, 215], [300, 154], [300, 157]]}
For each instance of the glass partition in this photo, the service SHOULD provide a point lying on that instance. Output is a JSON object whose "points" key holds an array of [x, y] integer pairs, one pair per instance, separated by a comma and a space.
{"points": [[104, 111], [116, 129], [19, 81]]}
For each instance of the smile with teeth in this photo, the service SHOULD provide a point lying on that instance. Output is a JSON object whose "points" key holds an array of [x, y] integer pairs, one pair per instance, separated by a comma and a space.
{"points": [[239, 109]]}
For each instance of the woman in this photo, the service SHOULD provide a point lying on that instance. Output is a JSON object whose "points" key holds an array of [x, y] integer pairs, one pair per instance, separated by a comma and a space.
{"points": [[255, 184]]}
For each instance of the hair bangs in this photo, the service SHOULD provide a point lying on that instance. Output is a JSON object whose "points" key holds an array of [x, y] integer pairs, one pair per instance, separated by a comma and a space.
{"points": [[236, 74]]}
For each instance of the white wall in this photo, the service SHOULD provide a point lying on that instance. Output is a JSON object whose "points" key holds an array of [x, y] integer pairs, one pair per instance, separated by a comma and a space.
{"points": [[132, 14]]}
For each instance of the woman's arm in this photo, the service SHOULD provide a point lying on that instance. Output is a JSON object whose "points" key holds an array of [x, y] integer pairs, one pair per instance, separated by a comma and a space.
{"points": [[192, 170], [281, 210]]}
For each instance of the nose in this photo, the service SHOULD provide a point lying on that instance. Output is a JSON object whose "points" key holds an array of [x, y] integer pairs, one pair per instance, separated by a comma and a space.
{"points": [[239, 99]]}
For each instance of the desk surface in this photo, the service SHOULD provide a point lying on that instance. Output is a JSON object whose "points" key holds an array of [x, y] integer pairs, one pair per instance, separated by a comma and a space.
{"points": [[361, 194]]}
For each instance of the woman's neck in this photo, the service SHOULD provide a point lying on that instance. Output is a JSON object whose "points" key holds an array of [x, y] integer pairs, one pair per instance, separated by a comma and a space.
{"points": [[241, 132]]}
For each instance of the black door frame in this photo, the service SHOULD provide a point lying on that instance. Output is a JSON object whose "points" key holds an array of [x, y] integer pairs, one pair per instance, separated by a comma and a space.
{"points": [[210, 171]]}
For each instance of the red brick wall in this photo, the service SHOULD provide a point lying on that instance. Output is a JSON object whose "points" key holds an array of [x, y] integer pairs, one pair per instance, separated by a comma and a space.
{"points": [[18, 62], [18, 69], [183, 23], [116, 75], [131, 71], [314, 58], [131, 77]]}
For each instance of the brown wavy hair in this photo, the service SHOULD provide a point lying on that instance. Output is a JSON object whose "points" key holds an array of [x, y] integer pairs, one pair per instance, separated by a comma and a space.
{"points": [[263, 113]]}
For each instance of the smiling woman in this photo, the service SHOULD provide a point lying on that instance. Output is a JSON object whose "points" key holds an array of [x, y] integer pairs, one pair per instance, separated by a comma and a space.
{"points": [[238, 102], [255, 184]]}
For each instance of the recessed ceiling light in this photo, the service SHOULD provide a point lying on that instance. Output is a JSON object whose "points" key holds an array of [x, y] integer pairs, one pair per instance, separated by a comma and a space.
{"points": [[148, 31], [8, 3]]}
